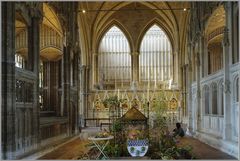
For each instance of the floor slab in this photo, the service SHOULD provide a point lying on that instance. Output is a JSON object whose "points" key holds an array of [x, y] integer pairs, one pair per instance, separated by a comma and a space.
{"points": [[77, 147]]}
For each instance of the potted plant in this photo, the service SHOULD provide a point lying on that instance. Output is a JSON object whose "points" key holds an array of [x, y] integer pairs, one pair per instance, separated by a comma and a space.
{"points": [[137, 145]]}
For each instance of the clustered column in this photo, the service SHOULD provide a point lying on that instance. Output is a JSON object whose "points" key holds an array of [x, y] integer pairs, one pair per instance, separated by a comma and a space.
{"points": [[33, 64], [8, 81], [189, 84]]}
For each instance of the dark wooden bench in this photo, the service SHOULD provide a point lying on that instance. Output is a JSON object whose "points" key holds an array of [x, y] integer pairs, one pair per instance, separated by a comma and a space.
{"points": [[105, 123], [96, 120]]}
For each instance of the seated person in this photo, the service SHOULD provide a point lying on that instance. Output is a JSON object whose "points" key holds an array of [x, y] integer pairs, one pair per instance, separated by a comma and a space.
{"points": [[178, 131]]}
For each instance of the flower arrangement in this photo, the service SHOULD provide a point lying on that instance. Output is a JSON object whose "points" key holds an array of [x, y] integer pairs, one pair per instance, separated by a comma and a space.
{"points": [[137, 143], [103, 134], [135, 133]]}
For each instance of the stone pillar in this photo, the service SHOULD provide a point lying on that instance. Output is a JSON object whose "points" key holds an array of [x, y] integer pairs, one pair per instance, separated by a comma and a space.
{"points": [[205, 58], [227, 91], [83, 94], [8, 81], [66, 84], [229, 24], [175, 67], [71, 39], [189, 84], [33, 64], [198, 79], [87, 85], [135, 69], [95, 69]]}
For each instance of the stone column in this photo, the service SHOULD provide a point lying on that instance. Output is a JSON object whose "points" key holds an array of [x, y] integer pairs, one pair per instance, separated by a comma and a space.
{"points": [[198, 79], [175, 67], [227, 130], [8, 81], [205, 58], [227, 91], [33, 64], [135, 69], [83, 93], [229, 24], [71, 38], [95, 69], [189, 84], [87, 85], [66, 84]]}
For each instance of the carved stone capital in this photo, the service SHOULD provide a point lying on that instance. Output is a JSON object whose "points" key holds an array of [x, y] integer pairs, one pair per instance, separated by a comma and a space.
{"points": [[225, 37], [35, 10], [199, 93], [226, 85]]}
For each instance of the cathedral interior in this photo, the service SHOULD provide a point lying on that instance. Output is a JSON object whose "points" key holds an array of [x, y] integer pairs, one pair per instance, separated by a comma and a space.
{"points": [[71, 70]]}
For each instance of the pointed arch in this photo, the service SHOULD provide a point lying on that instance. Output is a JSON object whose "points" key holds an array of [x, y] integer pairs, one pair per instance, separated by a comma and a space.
{"points": [[107, 28], [221, 97], [236, 89], [161, 25], [206, 99], [114, 58], [155, 59], [214, 98]]}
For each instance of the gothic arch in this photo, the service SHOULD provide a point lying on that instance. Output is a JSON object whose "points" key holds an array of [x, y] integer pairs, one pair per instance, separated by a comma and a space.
{"points": [[205, 103], [107, 28], [235, 88], [153, 22], [220, 97], [214, 97], [168, 20]]}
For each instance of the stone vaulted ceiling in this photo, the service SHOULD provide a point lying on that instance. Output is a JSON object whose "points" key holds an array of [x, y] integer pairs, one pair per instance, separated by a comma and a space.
{"points": [[94, 23], [217, 20]]}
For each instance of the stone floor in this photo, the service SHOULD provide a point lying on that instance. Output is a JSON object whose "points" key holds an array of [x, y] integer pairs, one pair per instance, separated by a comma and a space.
{"points": [[202, 150], [77, 147]]}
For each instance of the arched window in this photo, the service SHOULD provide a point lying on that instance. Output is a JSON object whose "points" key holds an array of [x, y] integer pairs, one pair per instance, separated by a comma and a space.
{"points": [[206, 99], [114, 59], [21, 41], [155, 60], [214, 99], [19, 61]]}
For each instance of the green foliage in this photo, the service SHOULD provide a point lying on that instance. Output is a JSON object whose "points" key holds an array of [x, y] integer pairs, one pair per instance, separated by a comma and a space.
{"points": [[113, 150], [162, 145], [111, 102], [117, 126]]}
